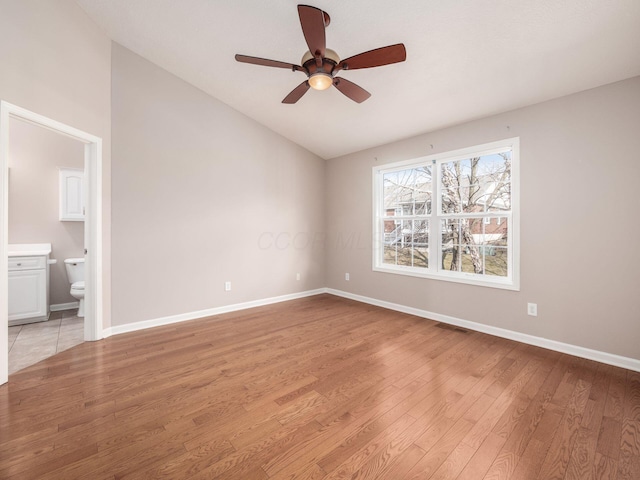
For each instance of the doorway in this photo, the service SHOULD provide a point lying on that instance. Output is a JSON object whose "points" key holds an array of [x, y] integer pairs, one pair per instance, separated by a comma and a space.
{"points": [[92, 224]]}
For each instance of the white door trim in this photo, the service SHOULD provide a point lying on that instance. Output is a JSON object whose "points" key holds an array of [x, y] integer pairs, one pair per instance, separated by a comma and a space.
{"points": [[92, 227]]}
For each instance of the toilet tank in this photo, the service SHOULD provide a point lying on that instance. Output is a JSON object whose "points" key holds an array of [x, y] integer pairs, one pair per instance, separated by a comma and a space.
{"points": [[75, 269]]}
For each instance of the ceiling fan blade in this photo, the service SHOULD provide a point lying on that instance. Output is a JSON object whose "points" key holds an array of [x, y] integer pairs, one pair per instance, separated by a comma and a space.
{"points": [[351, 90], [312, 20], [266, 62], [375, 58], [297, 93]]}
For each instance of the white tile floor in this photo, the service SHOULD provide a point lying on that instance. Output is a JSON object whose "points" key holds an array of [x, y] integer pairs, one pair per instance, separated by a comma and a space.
{"points": [[28, 344]]}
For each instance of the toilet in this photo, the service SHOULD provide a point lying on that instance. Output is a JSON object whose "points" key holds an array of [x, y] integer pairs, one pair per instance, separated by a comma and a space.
{"points": [[75, 274]]}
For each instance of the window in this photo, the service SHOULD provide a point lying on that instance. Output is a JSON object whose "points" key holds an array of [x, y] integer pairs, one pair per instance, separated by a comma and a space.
{"points": [[452, 216]]}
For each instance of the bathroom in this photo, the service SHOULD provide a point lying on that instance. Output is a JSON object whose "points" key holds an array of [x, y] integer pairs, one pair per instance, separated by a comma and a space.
{"points": [[45, 227]]}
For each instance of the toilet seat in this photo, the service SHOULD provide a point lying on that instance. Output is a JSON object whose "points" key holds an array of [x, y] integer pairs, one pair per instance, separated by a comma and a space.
{"points": [[78, 285]]}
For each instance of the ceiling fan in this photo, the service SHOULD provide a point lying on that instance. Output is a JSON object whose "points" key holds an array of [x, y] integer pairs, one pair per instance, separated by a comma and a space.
{"points": [[321, 64]]}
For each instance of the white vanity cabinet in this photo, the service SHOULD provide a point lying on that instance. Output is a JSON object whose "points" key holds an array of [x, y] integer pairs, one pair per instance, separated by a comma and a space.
{"points": [[28, 283]]}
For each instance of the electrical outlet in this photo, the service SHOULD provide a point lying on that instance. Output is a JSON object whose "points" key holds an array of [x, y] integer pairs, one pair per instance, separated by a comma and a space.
{"points": [[297, 276], [227, 286], [532, 309], [346, 276]]}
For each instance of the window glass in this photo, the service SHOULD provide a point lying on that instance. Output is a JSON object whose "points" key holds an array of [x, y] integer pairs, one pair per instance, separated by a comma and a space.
{"points": [[469, 237]]}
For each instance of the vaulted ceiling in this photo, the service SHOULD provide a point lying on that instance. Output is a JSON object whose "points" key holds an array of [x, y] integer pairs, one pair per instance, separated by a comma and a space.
{"points": [[465, 58]]}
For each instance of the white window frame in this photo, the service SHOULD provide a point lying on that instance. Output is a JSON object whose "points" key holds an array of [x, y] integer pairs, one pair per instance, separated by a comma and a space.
{"points": [[434, 271]]}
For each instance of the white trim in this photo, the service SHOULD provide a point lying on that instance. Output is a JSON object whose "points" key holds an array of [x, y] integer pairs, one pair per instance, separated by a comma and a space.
{"points": [[596, 355], [4, 242], [433, 271], [93, 307], [58, 307], [183, 317], [447, 276], [93, 224]]}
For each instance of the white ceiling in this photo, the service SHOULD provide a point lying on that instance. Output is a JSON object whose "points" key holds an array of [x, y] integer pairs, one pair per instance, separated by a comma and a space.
{"points": [[465, 58]]}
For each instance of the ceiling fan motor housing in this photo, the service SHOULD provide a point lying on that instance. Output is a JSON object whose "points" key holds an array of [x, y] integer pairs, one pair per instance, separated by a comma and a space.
{"points": [[330, 60]]}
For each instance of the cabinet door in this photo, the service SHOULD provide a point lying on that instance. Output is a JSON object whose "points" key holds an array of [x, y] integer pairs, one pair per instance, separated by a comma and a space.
{"points": [[71, 195], [27, 294]]}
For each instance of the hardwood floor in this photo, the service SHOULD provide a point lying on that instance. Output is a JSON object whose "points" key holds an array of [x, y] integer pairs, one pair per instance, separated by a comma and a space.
{"points": [[318, 388]]}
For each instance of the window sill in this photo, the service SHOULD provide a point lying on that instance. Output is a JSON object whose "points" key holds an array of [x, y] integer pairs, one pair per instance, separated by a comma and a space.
{"points": [[469, 279]]}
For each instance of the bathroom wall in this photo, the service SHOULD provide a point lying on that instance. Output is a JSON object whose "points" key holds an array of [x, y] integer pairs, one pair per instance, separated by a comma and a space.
{"points": [[203, 195], [580, 260], [34, 157], [56, 61]]}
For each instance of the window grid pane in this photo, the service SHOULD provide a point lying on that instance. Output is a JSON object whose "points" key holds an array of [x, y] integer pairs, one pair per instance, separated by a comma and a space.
{"points": [[478, 184], [407, 192], [473, 217], [406, 243], [471, 245]]}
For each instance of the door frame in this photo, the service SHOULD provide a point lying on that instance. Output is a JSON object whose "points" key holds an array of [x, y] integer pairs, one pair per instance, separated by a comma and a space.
{"points": [[93, 322]]}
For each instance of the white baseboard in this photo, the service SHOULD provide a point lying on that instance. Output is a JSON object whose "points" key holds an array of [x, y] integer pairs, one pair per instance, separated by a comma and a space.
{"points": [[63, 306], [598, 356], [156, 322]]}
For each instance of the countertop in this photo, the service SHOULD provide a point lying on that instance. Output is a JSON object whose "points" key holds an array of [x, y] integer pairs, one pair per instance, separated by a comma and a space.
{"points": [[28, 249]]}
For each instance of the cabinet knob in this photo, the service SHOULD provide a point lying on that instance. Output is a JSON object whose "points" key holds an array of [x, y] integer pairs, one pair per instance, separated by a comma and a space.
{"points": [[19, 264]]}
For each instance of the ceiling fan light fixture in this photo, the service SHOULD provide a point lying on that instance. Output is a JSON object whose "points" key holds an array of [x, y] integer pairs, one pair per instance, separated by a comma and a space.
{"points": [[322, 66], [320, 81]]}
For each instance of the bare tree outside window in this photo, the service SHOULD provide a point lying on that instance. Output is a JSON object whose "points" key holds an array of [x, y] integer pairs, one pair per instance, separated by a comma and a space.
{"points": [[469, 188], [451, 216]]}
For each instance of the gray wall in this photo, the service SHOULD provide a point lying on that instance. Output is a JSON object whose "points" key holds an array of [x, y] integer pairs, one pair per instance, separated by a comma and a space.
{"points": [[580, 260], [198, 186], [203, 195], [57, 62], [35, 154]]}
